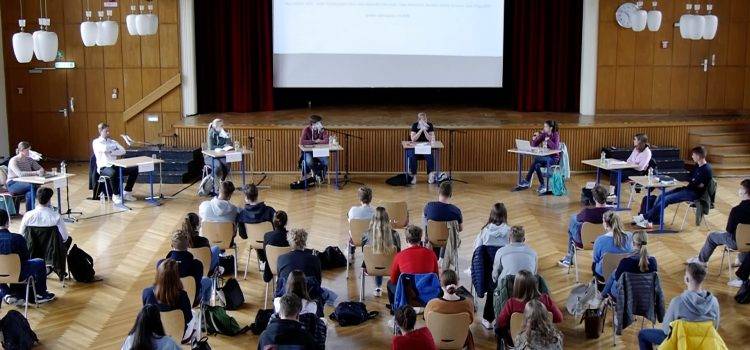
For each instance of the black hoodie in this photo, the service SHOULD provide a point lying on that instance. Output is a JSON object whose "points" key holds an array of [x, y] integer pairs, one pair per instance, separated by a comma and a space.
{"points": [[286, 332]]}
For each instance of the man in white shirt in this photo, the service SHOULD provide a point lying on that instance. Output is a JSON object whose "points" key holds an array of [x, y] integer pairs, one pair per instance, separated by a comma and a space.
{"points": [[45, 216], [106, 150]]}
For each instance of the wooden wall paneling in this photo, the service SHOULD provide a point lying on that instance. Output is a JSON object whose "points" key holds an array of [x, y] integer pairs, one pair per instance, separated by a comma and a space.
{"points": [[135, 128], [18, 101], [746, 94], [736, 52], [171, 102], [151, 81], [716, 88], [150, 51], [660, 92], [73, 11], [624, 88], [96, 94], [607, 10], [680, 49], [735, 83], [50, 134], [678, 88], [113, 54], [131, 50], [20, 129], [169, 46], [168, 11], [605, 88], [116, 124], [40, 90], [94, 118], [94, 57], [697, 88], [113, 80], [740, 10], [663, 57], [58, 89], [152, 129], [625, 47], [73, 49], [643, 84], [132, 92], [607, 54], [644, 48], [169, 119], [699, 52], [79, 140]]}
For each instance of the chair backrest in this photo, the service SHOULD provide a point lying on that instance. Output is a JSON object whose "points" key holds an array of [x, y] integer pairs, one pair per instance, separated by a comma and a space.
{"points": [[516, 323], [272, 254], [255, 233], [398, 212], [174, 324], [188, 285], [218, 233], [203, 255], [610, 263], [589, 232], [437, 233], [448, 330], [742, 236], [10, 268], [378, 264], [357, 230]]}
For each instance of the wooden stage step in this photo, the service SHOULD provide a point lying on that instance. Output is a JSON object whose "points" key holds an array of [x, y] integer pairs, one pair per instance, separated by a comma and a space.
{"points": [[729, 158], [701, 137], [728, 149]]}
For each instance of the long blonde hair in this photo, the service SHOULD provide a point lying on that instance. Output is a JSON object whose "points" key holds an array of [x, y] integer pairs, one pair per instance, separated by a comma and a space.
{"points": [[613, 222], [641, 239], [381, 232], [538, 326]]}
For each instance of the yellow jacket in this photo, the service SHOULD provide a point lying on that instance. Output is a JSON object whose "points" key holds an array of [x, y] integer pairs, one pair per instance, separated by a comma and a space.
{"points": [[693, 335]]}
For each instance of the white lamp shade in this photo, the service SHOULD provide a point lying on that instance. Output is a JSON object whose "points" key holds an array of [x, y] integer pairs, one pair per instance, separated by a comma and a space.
{"points": [[23, 47], [712, 24], [45, 45], [130, 21], [89, 33], [697, 25], [654, 20], [147, 24], [638, 20], [108, 33], [685, 22]]}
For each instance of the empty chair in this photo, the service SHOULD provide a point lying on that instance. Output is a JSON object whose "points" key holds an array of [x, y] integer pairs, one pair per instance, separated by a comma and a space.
{"points": [[174, 324], [448, 330], [255, 234], [221, 234], [742, 237], [589, 232], [10, 273], [357, 230], [272, 254], [437, 233], [376, 265]]}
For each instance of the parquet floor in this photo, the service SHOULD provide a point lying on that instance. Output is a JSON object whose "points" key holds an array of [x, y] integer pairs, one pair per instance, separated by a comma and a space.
{"points": [[125, 247]]}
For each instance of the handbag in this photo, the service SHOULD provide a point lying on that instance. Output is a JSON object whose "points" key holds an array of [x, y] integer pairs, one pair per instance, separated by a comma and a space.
{"points": [[201, 344]]}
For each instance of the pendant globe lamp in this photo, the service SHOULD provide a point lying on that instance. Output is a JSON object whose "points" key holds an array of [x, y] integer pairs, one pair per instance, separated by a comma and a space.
{"points": [[23, 43], [638, 18], [654, 18], [89, 30], [147, 23], [712, 23], [109, 31], [130, 21], [697, 24], [685, 21], [45, 42]]}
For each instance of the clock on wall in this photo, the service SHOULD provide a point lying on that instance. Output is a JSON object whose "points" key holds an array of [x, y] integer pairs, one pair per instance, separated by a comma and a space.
{"points": [[622, 15]]}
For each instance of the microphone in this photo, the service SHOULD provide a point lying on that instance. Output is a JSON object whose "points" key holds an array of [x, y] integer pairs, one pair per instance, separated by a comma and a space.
{"points": [[127, 139], [35, 155]]}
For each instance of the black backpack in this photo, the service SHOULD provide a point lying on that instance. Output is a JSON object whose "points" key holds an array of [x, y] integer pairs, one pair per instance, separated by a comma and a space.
{"points": [[332, 258], [227, 262], [233, 294], [399, 180], [81, 265], [352, 313], [17, 334], [261, 321], [743, 295]]}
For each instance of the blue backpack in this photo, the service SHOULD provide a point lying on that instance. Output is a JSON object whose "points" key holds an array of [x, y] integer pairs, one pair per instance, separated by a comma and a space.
{"points": [[557, 182]]}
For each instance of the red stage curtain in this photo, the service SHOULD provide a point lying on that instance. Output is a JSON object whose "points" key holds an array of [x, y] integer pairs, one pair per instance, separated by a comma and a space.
{"points": [[546, 54], [234, 55]]}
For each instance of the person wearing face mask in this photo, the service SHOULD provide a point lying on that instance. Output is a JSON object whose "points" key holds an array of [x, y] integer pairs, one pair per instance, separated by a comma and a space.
{"points": [[738, 215], [421, 131], [218, 138], [23, 165], [548, 138], [314, 134]]}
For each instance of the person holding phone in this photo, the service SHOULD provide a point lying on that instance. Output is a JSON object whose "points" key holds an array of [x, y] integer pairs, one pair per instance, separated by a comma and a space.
{"points": [[314, 134], [421, 131], [548, 138]]}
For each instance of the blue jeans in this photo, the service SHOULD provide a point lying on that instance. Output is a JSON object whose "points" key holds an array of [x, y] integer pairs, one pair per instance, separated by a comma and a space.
{"points": [[574, 235], [610, 286], [411, 159], [206, 284], [648, 337], [537, 165], [36, 268], [215, 250], [379, 281], [321, 170], [677, 195], [19, 188]]}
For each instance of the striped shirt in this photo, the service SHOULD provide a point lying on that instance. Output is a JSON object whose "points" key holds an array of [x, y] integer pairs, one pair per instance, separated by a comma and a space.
{"points": [[20, 166]]}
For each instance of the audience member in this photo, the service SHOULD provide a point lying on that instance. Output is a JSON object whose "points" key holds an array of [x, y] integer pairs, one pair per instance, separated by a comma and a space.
{"points": [[738, 215], [148, 332], [297, 285], [383, 239], [44, 215], [300, 258], [285, 332], [219, 208], [421, 131], [525, 289], [538, 332], [191, 226], [106, 151], [19, 166], [167, 292], [514, 257], [12, 243], [638, 262], [495, 232], [548, 138], [364, 211], [700, 178], [408, 338], [452, 303], [415, 259], [189, 266], [276, 238], [254, 212], [614, 241], [694, 305], [592, 215], [443, 210]]}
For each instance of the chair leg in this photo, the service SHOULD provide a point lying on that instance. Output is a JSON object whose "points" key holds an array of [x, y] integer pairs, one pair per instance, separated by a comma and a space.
{"points": [[575, 262], [265, 302], [632, 194], [235, 262], [721, 266], [684, 217], [729, 266], [675, 212], [614, 327], [247, 263], [26, 300], [362, 289]]}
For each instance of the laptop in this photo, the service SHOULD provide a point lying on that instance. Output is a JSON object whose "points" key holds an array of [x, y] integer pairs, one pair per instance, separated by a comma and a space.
{"points": [[524, 145]]}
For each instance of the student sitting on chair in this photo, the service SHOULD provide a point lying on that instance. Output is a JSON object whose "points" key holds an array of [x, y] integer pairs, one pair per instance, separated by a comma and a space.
{"points": [[514, 257], [452, 303], [383, 239], [217, 137], [638, 262], [738, 215], [23, 165], [286, 332], [409, 338], [219, 208], [148, 332], [695, 304], [44, 215], [254, 212], [300, 258], [296, 284], [415, 259], [538, 332], [699, 181], [277, 238], [615, 240], [167, 293], [189, 266], [363, 211], [191, 226], [421, 131], [591, 215], [12, 243], [106, 151], [495, 233], [314, 134], [443, 210], [549, 138], [641, 156]]}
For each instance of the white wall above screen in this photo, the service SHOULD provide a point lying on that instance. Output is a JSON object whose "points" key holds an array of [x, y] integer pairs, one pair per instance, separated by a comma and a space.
{"points": [[395, 43]]}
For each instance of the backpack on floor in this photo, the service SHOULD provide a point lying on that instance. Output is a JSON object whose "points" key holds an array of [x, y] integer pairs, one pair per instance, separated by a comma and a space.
{"points": [[218, 322], [315, 327], [261, 321], [399, 180], [557, 182], [233, 296], [201, 344], [227, 262], [17, 333], [743, 295], [209, 183], [593, 320], [81, 265], [352, 313], [300, 185], [332, 258]]}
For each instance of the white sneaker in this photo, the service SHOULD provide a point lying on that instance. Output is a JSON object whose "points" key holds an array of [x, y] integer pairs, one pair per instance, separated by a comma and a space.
{"points": [[638, 218], [431, 177], [117, 199], [377, 292], [695, 260], [129, 197], [414, 179], [736, 283], [487, 324]]}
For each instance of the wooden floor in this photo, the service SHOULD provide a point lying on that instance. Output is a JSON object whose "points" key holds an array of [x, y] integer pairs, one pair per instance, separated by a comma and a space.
{"points": [[125, 247]]}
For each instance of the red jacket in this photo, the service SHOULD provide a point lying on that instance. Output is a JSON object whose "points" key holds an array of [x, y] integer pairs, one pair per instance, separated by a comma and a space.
{"points": [[413, 260], [308, 135], [517, 305], [420, 339]]}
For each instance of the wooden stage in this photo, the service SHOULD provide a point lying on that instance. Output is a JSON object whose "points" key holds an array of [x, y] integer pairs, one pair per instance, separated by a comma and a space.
{"points": [[481, 141]]}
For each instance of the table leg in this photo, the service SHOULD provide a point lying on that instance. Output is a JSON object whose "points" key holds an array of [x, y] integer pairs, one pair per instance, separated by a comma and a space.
{"points": [[304, 171], [59, 202], [33, 197], [336, 154], [548, 164], [406, 163], [153, 199], [242, 169], [618, 190], [519, 157], [437, 166], [661, 215], [598, 175], [122, 187], [214, 173]]}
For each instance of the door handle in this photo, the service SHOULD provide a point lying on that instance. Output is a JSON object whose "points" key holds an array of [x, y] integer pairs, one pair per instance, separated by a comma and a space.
{"points": [[72, 104], [704, 63], [64, 112]]}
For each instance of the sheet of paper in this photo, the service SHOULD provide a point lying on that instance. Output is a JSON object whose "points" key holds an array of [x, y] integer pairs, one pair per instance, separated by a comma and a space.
{"points": [[321, 152], [422, 148], [59, 183], [234, 157], [227, 148], [145, 167]]}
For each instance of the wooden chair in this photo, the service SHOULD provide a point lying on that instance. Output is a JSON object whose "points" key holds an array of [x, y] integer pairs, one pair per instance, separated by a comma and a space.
{"points": [[272, 254], [437, 233], [448, 330], [174, 324], [398, 212], [221, 234], [610, 261], [377, 265], [10, 273], [188, 285], [516, 323], [742, 237], [357, 230], [589, 233], [255, 234], [203, 255]]}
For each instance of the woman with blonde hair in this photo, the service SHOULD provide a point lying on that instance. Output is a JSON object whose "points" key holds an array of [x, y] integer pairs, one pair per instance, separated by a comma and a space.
{"points": [[638, 262], [217, 137], [538, 332], [615, 240], [525, 290], [383, 239]]}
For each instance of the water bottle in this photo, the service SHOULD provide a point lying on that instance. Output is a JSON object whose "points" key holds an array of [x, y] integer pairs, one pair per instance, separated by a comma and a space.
{"points": [[650, 176], [603, 158], [63, 170]]}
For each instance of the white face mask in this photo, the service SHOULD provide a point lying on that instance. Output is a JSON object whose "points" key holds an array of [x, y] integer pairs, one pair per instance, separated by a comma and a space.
{"points": [[223, 134], [318, 126]]}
